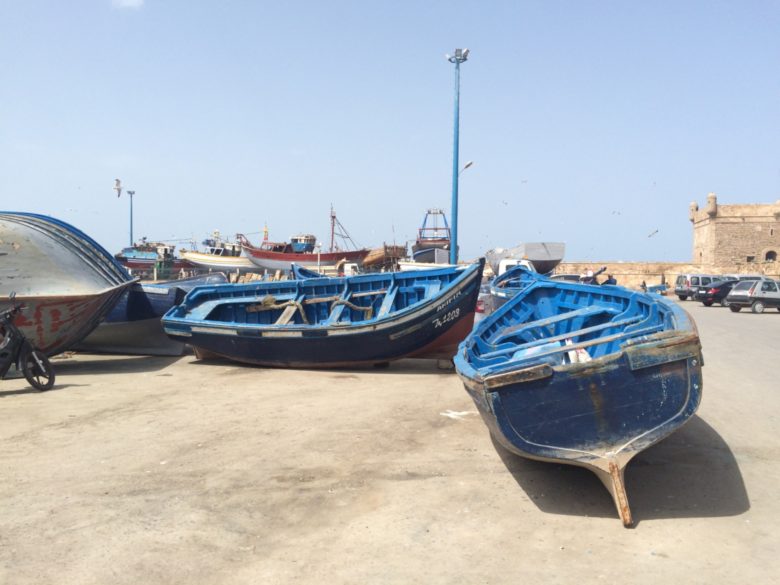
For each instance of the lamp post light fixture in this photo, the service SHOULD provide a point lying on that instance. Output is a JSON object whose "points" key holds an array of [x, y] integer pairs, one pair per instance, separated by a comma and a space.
{"points": [[466, 166], [460, 56]]}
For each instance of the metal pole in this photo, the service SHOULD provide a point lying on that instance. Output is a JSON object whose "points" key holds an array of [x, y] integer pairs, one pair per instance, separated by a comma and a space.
{"points": [[131, 193], [455, 149]]}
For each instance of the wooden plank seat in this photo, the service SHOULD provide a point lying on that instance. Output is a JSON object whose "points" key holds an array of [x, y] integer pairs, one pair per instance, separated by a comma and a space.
{"points": [[388, 301], [564, 336], [521, 328], [590, 343]]}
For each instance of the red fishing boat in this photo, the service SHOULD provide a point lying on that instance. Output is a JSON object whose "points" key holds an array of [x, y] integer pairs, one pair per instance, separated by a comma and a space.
{"points": [[303, 250]]}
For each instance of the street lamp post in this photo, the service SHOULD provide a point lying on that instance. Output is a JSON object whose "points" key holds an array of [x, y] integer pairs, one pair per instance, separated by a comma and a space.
{"points": [[118, 189], [459, 57], [131, 193]]}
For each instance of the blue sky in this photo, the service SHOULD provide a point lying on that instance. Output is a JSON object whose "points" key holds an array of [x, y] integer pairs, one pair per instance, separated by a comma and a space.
{"points": [[593, 123]]}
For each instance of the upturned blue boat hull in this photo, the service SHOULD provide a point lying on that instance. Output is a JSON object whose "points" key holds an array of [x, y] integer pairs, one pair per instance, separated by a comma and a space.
{"points": [[431, 327], [638, 381], [134, 324]]}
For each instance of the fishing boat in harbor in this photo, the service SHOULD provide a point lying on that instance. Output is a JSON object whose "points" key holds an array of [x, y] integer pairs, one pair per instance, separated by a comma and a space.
{"points": [[584, 375], [544, 256], [385, 257], [133, 326], [154, 260], [219, 255], [67, 281], [302, 250], [331, 322], [433, 239]]}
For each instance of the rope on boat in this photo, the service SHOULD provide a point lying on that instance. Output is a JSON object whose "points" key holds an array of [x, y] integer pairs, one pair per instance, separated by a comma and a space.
{"points": [[268, 303], [369, 310]]}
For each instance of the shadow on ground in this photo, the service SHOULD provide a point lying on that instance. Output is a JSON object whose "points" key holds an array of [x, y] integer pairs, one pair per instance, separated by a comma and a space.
{"points": [[88, 364], [398, 367], [690, 474]]}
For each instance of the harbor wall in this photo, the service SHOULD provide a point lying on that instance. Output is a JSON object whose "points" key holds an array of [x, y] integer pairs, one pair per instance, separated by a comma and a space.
{"points": [[631, 274], [727, 239]]}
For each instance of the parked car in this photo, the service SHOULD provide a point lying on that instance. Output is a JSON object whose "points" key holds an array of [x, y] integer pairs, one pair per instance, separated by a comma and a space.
{"points": [[716, 292], [756, 294], [686, 285]]}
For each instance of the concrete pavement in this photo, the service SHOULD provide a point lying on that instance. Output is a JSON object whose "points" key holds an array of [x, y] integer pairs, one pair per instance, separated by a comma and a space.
{"points": [[163, 470]]}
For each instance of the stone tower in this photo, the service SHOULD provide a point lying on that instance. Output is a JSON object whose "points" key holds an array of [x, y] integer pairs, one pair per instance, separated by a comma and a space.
{"points": [[735, 238]]}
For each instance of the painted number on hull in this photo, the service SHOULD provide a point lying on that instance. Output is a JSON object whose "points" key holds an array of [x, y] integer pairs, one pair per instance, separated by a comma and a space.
{"points": [[451, 316]]}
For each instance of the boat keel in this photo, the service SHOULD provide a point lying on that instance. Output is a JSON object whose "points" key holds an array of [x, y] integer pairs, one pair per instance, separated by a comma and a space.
{"points": [[612, 475]]}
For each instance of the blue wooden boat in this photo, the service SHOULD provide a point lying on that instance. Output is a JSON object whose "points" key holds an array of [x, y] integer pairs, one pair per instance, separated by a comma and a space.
{"points": [[585, 375], [659, 289], [332, 322], [301, 272], [511, 282], [133, 326]]}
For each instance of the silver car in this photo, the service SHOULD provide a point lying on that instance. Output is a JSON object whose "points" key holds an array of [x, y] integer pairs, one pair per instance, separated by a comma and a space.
{"points": [[756, 294]]}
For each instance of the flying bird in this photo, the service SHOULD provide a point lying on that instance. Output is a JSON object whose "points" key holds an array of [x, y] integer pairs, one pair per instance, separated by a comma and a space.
{"points": [[118, 187], [651, 234]]}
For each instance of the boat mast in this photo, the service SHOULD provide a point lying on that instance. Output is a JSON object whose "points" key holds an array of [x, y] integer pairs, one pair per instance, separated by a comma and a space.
{"points": [[332, 227], [336, 229]]}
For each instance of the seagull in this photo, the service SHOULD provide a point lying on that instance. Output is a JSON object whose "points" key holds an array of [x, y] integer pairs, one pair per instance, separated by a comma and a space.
{"points": [[651, 234], [118, 187]]}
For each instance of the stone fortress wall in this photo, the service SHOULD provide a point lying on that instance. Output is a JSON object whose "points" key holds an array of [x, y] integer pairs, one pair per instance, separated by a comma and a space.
{"points": [[727, 239]]}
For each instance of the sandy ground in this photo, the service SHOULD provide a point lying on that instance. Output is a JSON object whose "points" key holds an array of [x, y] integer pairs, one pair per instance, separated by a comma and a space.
{"points": [[162, 470]]}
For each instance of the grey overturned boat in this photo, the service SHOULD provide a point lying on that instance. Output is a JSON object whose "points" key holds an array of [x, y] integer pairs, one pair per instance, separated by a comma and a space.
{"points": [[133, 326], [545, 256], [66, 280]]}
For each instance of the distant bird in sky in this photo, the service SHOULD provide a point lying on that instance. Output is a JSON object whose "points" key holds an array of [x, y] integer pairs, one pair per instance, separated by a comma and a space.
{"points": [[651, 234], [504, 202], [118, 187]]}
